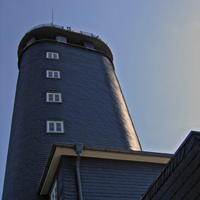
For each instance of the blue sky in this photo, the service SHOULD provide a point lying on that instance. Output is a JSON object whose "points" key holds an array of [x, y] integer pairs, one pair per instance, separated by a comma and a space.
{"points": [[156, 49]]}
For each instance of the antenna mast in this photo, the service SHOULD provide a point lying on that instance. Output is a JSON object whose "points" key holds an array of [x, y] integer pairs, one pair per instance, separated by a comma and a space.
{"points": [[52, 17]]}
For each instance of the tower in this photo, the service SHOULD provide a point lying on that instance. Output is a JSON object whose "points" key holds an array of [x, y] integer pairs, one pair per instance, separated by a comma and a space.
{"points": [[67, 93]]}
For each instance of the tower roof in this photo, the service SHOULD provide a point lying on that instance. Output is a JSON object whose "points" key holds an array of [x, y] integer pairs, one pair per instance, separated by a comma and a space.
{"points": [[50, 31]]}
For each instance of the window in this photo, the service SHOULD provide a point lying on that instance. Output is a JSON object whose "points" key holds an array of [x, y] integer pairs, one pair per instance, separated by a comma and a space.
{"points": [[52, 74], [54, 192], [32, 40], [88, 44], [53, 97], [60, 38], [52, 55], [55, 127]]}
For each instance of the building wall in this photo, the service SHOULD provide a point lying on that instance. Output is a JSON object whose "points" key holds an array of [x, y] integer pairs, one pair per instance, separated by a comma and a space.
{"points": [[93, 111], [106, 179]]}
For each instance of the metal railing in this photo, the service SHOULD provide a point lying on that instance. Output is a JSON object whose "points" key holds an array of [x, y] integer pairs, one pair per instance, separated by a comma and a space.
{"points": [[89, 34], [67, 29], [47, 25]]}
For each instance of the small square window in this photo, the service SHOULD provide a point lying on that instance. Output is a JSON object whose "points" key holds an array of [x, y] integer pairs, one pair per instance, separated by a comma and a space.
{"points": [[55, 127], [52, 55], [58, 126], [56, 74], [52, 74], [51, 126], [55, 56], [49, 55], [50, 97], [53, 97], [53, 195], [57, 97]]}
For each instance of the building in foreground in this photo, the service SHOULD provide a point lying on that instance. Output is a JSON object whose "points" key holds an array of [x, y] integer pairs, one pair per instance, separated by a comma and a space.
{"points": [[72, 136]]}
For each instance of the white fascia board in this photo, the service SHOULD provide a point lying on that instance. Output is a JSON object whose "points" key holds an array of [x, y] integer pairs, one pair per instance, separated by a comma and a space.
{"points": [[136, 156]]}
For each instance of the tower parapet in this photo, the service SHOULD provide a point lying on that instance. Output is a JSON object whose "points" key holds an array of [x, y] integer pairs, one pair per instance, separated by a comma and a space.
{"points": [[60, 34]]}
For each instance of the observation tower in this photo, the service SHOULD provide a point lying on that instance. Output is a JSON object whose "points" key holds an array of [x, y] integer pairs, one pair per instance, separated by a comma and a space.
{"points": [[68, 104]]}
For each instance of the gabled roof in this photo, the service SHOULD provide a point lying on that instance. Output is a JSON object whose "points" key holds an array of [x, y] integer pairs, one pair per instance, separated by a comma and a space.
{"points": [[181, 177], [59, 149]]}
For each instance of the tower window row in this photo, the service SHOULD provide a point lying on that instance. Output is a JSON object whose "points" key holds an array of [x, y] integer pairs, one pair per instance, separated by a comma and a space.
{"points": [[53, 126]]}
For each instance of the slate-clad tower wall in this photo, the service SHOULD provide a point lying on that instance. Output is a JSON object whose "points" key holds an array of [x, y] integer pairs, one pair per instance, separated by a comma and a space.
{"points": [[92, 110]]}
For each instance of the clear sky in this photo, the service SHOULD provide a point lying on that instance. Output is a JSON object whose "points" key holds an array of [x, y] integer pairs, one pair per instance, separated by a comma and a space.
{"points": [[156, 49]]}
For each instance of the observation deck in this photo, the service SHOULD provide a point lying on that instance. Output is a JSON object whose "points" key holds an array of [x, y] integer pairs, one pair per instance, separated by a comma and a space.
{"points": [[64, 35]]}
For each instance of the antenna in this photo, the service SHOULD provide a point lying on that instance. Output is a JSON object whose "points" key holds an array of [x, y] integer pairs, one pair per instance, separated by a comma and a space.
{"points": [[52, 17]]}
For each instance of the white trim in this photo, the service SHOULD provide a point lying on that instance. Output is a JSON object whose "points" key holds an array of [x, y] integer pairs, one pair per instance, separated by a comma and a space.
{"points": [[52, 55], [66, 151], [52, 74], [55, 127], [53, 97]]}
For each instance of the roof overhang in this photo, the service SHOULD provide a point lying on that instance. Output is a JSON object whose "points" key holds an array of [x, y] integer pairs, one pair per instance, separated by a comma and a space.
{"points": [[60, 149], [50, 31]]}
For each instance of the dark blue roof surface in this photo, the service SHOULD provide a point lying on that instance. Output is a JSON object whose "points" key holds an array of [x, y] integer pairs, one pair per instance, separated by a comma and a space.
{"points": [[106, 179], [181, 176]]}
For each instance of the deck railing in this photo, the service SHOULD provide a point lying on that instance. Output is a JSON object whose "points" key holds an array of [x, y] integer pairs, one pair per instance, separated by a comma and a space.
{"points": [[62, 27]]}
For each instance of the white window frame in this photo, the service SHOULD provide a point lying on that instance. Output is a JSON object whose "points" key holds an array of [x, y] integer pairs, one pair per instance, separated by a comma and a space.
{"points": [[53, 195], [51, 97], [52, 55], [54, 125], [53, 74]]}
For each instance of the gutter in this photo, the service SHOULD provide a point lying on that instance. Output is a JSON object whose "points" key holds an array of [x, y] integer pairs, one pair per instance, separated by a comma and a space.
{"points": [[61, 149], [78, 149]]}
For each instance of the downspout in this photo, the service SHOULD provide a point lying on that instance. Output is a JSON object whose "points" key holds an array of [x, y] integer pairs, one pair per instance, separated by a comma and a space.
{"points": [[78, 149]]}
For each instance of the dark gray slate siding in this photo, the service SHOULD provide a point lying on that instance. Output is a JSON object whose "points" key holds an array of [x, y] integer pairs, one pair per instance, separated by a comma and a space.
{"points": [[107, 179], [92, 110]]}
